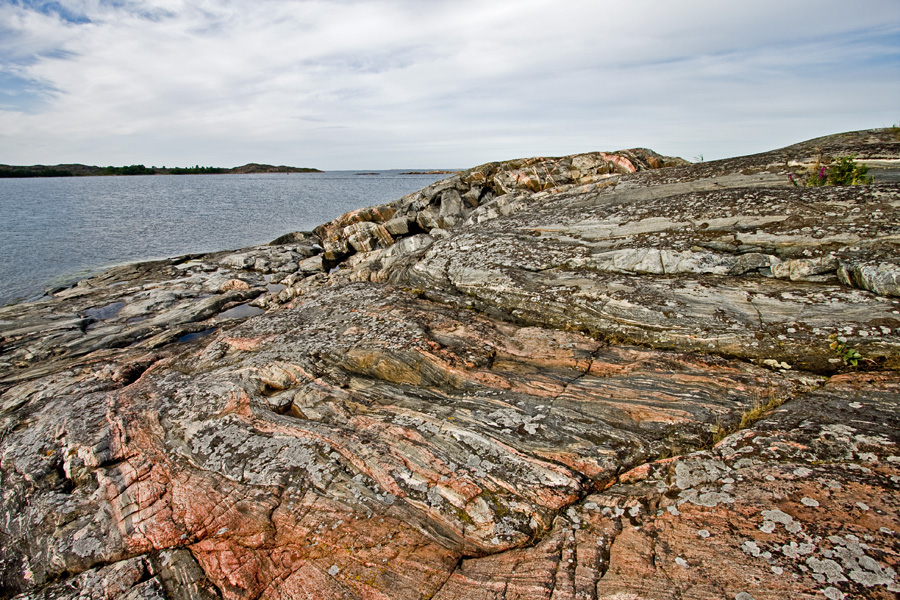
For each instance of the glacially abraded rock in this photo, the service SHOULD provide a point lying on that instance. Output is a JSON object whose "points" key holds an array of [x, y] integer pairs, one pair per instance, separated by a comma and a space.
{"points": [[610, 375]]}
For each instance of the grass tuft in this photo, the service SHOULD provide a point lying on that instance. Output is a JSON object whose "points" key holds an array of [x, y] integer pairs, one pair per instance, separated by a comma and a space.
{"points": [[757, 410]]}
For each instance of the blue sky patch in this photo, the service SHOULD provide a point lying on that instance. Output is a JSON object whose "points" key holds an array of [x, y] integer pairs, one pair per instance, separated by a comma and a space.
{"points": [[54, 8], [22, 95]]}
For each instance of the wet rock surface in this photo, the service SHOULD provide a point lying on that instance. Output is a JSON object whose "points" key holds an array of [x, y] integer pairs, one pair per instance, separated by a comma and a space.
{"points": [[612, 375]]}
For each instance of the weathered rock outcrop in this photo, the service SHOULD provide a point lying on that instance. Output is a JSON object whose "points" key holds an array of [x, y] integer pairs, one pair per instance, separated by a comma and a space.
{"points": [[601, 376]]}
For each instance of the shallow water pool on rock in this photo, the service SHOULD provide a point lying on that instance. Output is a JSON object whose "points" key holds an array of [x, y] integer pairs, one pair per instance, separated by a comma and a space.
{"points": [[241, 311], [190, 337]]}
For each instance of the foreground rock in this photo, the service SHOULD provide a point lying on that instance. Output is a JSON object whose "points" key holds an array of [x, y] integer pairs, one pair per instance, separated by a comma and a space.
{"points": [[535, 379]]}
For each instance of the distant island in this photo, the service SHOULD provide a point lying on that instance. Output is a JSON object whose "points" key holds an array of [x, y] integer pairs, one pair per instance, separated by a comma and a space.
{"points": [[435, 172], [78, 170]]}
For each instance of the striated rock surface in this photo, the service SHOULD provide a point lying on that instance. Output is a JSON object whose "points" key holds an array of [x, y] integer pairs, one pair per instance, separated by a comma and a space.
{"points": [[611, 375]]}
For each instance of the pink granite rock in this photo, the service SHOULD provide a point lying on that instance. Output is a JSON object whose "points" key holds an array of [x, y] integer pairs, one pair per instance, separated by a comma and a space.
{"points": [[608, 375]]}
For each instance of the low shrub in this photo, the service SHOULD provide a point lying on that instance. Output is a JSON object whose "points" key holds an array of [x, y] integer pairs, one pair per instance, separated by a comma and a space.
{"points": [[850, 356], [842, 171]]}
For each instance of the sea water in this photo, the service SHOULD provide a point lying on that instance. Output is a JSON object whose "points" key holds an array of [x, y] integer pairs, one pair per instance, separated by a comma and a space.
{"points": [[54, 231]]}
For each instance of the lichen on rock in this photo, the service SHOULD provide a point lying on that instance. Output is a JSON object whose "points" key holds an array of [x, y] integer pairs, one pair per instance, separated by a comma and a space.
{"points": [[606, 375]]}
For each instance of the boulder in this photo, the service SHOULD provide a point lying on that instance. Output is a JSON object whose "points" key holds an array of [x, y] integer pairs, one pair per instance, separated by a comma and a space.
{"points": [[311, 265], [366, 236], [334, 234], [881, 278], [398, 226], [234, 284]]}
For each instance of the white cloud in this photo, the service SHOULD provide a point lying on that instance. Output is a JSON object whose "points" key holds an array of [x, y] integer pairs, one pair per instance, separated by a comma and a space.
{"points": [[395, 83]]}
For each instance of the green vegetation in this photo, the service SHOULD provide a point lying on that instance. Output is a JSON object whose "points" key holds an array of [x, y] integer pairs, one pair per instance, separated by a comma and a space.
{"points": [[842, 171], [18, 172], [251, 168], [757, 410], [462, 515], [79, 170], [850, 356], [129, 170], [196, 170], [846, 171]]}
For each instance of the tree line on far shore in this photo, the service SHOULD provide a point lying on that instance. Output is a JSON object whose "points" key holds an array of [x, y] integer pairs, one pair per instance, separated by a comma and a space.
{"points": [[77, 170], [46, 172]]}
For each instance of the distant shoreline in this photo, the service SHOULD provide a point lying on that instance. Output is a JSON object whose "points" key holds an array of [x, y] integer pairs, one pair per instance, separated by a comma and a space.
{"points": [[435, 172], [79, 170]]}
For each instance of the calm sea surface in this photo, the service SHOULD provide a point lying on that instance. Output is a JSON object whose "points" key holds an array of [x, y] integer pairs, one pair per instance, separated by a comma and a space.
{"points": [[56, 230]]}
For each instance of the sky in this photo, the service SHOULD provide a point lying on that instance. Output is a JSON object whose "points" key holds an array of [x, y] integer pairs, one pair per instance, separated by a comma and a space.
{"points": [[380, 84]]}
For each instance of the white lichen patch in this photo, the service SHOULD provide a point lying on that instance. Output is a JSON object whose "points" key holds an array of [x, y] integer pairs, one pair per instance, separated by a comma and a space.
{"points": [[826, 569], [752, 548], [778, 517], [689, 474], [707, 499], [845, 561], [832, 593]]}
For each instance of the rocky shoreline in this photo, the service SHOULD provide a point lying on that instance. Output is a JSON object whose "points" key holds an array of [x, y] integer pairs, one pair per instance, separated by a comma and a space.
{"points": [[608, 375]]}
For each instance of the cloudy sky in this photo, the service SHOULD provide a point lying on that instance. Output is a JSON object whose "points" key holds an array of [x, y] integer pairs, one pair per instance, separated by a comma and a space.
{"points": [[349, 84]]}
